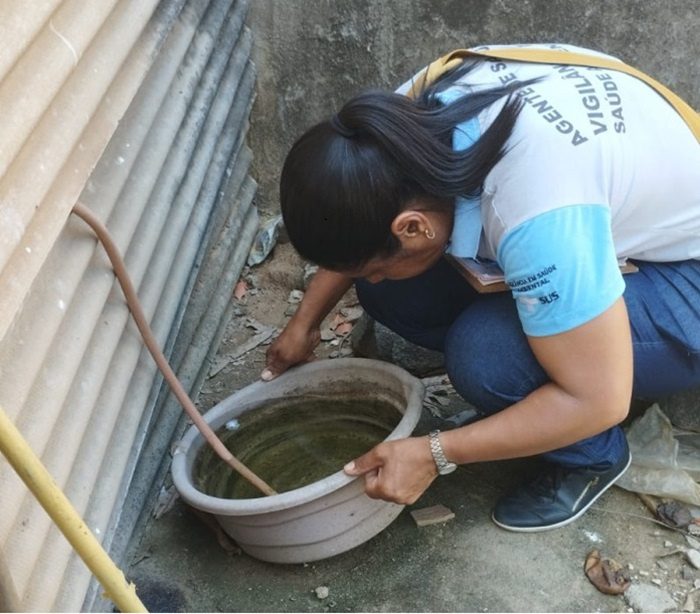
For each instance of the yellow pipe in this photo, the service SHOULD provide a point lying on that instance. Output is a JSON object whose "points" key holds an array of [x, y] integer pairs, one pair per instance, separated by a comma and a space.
{"points": [[28, 466]]}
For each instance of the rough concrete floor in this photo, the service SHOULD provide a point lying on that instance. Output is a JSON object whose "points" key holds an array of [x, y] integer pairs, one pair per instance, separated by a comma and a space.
{"points": [[467, 564]]}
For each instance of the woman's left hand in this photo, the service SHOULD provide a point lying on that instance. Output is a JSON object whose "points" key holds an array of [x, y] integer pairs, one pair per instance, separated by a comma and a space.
{"points": [[398, 471]]}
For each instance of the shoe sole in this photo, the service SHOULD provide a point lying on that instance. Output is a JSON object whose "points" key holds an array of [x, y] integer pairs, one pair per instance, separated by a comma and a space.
{"points": [[563, 523]]}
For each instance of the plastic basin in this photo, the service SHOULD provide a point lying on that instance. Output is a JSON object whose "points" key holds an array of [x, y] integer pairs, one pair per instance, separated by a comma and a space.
{"points": [[326, 517]]}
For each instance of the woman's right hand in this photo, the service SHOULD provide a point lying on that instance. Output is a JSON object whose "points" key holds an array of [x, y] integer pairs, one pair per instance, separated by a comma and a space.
{"points": [[298, 340], [295, 344]]}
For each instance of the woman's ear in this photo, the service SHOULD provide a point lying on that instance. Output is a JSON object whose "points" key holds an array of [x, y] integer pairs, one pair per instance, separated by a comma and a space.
{"points": [[410, 224]]}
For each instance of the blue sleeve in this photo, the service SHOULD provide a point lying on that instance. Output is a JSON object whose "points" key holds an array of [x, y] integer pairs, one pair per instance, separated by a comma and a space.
{"points": [[561, 268]]}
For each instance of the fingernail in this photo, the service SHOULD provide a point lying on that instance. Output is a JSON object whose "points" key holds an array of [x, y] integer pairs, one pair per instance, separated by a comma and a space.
{"points": [[266, 375], [350, 467]]}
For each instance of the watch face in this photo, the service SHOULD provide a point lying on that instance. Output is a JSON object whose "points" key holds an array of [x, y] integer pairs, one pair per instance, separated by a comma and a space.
{"points": [[448, 468]]}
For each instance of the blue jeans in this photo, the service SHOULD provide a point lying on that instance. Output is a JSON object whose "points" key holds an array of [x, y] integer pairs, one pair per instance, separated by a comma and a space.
{"points": [[489, 360]]}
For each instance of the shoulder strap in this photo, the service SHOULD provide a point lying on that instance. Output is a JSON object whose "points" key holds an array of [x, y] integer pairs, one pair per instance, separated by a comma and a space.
{"points": [[554, 56]]}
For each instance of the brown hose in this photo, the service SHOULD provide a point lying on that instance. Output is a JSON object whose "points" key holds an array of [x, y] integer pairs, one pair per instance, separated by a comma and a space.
{"points": [[149, 339]]}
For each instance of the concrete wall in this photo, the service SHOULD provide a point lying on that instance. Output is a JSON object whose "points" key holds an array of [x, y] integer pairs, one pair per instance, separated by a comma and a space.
{"points": [[313, 54]]}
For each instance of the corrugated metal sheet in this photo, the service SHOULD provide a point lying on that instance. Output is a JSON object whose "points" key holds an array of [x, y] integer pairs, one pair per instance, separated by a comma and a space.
{"points": [[142, 116]]}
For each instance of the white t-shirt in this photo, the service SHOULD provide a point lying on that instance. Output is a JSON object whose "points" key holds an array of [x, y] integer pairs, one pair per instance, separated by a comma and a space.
{"points": [[598, 168]]}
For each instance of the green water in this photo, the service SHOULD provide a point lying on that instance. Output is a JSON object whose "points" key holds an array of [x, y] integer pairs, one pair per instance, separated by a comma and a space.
{"points": [[290, 443]]}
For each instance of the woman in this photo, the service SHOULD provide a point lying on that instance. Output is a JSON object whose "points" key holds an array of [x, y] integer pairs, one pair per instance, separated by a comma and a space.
{"points": [[556, 173]]}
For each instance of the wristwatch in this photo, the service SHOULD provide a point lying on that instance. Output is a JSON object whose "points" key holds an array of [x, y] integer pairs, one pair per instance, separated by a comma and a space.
{"points": [[443, 465]]}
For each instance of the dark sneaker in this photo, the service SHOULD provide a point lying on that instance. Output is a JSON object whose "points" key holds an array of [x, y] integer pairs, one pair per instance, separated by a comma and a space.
{"points": [[556, 497]]}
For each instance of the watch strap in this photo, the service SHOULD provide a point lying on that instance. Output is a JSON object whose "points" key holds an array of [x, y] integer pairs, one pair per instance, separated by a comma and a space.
{"points": [[441, 462]]}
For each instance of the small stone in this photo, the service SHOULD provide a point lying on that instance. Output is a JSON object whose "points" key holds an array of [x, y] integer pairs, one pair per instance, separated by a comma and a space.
{"points": [[668, 544], [643, 573], [661, 564], [694, 528], [309, 271], [692, 542], [322, 592], [327, 334], [696, 584], [689, 604], [649, 598], [295, 296], [693, 557], [630, 566], [656, 581], [432, 515], [687, 573]]}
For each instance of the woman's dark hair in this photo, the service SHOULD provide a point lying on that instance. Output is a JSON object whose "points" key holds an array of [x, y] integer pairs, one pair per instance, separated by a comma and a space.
{"points": [[346, 179]]}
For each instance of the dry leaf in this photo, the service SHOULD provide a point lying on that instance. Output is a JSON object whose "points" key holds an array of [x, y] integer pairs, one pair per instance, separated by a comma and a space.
{"points": [[338, 319], [240, 290], [607, 575], [674, 514], [343, 329]]}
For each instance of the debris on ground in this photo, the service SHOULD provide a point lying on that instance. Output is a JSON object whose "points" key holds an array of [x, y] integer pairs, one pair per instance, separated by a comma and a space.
{"points": [[443, 402], [294, 299], [674, 514], [309, 271], [166, 499], [432, 515], [644, 597], [265, 241], [337, 330], [263, 334], [607, 575], [689, 604], [344, 329], [693, 557], [664, 459], [295, 296], [693, 542], [240, 290], [593, 536], [437, 392], [322, 592]]}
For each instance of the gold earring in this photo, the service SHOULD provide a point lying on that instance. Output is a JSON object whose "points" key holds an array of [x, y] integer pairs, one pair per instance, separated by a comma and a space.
{"points": [[429, 233]]}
